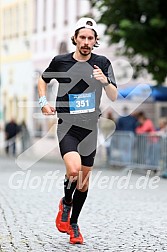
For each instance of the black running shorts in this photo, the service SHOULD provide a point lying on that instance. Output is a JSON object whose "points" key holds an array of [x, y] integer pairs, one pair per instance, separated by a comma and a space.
{"points": [[80, 139]]}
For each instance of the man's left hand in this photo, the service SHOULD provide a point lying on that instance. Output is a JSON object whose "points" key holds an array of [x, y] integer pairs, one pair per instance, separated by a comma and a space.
{"points": [[99, 75]]}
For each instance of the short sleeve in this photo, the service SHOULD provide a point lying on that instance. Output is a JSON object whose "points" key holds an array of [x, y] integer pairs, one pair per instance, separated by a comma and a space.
{"points": [[48, 74], [108, 71]]}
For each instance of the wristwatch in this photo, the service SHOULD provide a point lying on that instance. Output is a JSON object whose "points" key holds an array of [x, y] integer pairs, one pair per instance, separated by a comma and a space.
{"points": [[108, 82]]}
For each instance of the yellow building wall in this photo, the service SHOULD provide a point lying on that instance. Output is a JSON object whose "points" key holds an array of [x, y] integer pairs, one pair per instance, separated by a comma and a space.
{"points": [[16, 29]]}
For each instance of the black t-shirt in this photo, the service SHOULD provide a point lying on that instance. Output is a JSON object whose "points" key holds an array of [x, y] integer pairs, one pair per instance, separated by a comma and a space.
{"points": [[79, 93]]}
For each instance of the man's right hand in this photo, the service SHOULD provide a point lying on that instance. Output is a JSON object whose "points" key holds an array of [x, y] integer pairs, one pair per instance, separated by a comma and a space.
{"points": [[48, 110]]}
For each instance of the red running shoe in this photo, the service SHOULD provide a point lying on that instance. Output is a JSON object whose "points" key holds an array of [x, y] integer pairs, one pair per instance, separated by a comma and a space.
{"points": [[63, 217], [75, 235]]}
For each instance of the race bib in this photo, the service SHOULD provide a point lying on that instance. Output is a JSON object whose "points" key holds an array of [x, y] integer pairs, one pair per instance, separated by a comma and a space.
{"points": [[82, 103]]}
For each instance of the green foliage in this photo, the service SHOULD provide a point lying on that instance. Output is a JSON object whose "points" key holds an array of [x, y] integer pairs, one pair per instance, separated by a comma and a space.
{"points": [[142, 25]]}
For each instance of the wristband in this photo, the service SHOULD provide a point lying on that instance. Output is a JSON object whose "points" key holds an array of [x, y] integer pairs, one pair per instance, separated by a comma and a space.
{"points": [[108, 82], [42, 101]]}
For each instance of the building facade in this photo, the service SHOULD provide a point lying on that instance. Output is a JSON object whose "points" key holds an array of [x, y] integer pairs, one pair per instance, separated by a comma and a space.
{"points": [[53, 24], [32, 33], [16, 64]]}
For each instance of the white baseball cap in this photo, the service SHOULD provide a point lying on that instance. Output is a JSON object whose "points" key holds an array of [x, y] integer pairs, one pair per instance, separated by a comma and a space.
{"points": [[85, 22]]}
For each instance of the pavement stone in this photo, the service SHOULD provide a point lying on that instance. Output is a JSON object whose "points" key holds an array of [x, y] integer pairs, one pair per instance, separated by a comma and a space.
{"points": [[112, 219]]}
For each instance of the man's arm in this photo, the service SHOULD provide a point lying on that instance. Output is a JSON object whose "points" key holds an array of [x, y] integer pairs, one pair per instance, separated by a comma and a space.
{"points": [[110, 89], [46, 108], [111, 92]]}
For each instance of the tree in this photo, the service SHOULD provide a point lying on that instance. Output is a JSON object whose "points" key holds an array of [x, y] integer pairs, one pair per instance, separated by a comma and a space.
{"points": [[142, 26]]}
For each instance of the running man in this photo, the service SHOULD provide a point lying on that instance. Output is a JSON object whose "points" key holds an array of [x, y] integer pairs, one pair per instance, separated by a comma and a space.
{"points": [[81, 75]]}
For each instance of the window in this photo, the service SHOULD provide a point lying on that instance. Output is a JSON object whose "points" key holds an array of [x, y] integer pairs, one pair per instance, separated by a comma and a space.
{"points": [[44, 14], [63, 47], [17, 21], [54, 14], [4, 24], [77, 10], [163, 111], [14, 21], [66, 12], [44, 44], [10, 23], [35, 15], [54, 42], [25, 18]]}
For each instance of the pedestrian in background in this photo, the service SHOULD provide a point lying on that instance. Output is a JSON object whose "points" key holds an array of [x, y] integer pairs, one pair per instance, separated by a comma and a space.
{"points": [[11, 131], [145, 125], [125, 128], [77, 107], [162, 129], [145, 143], [25, 136], [127, 122]]}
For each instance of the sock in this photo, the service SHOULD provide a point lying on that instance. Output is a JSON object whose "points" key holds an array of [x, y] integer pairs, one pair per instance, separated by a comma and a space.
{"points": [[78, 201], [69, 188]]}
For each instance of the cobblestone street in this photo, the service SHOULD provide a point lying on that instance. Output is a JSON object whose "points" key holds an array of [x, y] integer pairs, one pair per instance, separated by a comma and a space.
{"points": [[113, 219]]}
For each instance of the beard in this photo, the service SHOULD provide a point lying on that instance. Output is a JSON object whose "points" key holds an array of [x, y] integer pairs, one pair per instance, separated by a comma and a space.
{"points": [[87, 51]]}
